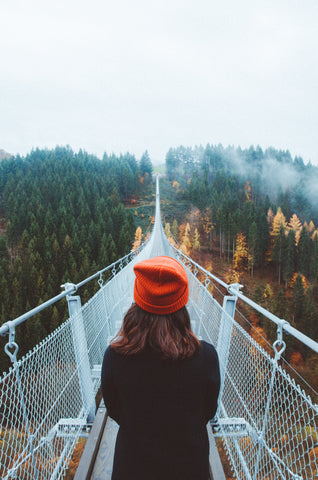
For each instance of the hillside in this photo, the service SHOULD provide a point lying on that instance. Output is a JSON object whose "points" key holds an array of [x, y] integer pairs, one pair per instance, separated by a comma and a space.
{"points": [[64, 216], [4, 154], [263, 235]]}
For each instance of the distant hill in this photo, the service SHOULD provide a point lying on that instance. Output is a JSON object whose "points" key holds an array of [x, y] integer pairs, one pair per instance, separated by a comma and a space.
{"points": [[4, 154]]}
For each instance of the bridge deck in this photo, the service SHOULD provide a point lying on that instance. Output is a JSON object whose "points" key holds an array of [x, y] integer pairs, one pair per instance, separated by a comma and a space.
{"points": [[97, 459]]}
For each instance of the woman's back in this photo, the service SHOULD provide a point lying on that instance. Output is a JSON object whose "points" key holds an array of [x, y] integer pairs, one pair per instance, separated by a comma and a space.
{"points": [[159, 382], [163, 403]]}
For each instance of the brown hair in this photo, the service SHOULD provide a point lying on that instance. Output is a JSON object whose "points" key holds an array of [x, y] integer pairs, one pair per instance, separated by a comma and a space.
{"points": [[170, 334]]}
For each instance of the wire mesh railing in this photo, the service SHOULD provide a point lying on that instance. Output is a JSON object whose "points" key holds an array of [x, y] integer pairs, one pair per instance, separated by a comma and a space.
{"points": [[268, 423], [47, 397]]}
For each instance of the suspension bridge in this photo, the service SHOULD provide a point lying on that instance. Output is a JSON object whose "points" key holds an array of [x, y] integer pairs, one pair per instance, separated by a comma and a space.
{"points": [[267, 421]]}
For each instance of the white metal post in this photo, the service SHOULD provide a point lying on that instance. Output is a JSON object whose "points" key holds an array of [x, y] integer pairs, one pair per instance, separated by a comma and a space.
{"points": [[81, 353], [224, 338]]}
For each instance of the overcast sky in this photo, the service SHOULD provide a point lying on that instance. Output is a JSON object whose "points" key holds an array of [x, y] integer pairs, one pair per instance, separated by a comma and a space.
{"points": [[131, 75]]}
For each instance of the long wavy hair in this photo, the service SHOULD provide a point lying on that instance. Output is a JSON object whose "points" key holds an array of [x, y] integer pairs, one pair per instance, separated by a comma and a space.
{"points": [[170, 335]]}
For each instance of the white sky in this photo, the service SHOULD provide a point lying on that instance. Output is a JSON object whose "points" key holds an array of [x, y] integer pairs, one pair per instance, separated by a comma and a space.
{"points": [[131, 75]]}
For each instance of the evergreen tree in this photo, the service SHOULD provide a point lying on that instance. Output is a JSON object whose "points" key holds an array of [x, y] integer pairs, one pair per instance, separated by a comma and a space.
{"points": [[279, 250], [303, 253], [253, 247], [57, 207], [314, 258], [123, 245], [290, 257], [145, 165], [111, 249], [196, 240], [310, 315], [175, 229], [297, 303]]}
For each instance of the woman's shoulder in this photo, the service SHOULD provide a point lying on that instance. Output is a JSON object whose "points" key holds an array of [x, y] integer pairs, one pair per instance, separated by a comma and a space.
{"points": [[109, 354], [208, 350]]}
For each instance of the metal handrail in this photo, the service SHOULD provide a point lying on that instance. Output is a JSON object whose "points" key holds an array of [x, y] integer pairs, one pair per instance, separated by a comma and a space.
{"points": [[70, 288], [233, 289]]}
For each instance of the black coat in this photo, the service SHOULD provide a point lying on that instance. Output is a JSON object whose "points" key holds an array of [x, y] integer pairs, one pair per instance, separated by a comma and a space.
{"points": [[162, 407]]}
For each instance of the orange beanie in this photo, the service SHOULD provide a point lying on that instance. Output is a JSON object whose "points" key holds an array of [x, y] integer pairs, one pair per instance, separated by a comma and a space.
{"points": [[161, 285]]}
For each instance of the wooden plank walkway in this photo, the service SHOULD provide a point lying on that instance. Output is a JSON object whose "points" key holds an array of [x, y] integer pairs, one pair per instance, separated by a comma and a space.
{"points": [[97, 459], [104, 461]]}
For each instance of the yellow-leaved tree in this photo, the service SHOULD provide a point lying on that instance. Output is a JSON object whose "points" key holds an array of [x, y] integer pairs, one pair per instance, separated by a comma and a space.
{"points": [[196, 240], [138, 237], [295, 224], [240, 253], [167, 230], [278, 222], [184, 235]]}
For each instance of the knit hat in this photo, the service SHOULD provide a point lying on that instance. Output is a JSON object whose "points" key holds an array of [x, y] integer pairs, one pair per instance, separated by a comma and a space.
{"points": [[161, 285]]}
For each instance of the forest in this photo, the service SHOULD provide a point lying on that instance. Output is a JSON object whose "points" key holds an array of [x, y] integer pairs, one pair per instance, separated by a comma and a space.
{"points": [[250, 216], [253, 215], [62, 218]]}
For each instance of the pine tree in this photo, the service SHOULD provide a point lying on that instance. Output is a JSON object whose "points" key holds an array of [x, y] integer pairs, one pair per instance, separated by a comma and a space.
{"points": [[290, 257], [279, 250], [253, 253], [310, 315], [263, 234], [55, 319], [279, 304], [4, 294], [111, 249], [297, 302], [124, 242], [145, 165], [314, 258], [303, 253], [175, 229], [207, 224], [196, 240]]}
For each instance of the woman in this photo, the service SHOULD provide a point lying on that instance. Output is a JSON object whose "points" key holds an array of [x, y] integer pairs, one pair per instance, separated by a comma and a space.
{"points": [[159, 382]]}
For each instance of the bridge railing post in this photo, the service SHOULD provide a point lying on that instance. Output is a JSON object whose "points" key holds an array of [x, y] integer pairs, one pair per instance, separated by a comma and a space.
{"points": [[81, 354], [226, 326]]}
